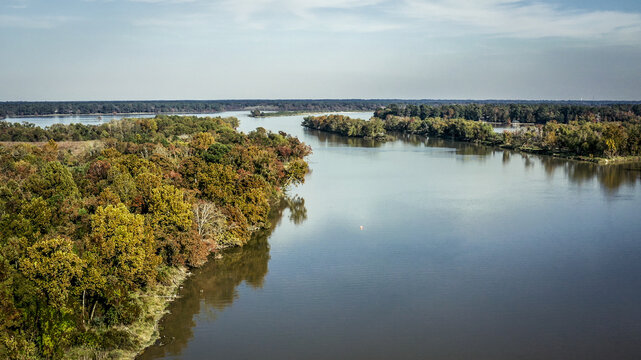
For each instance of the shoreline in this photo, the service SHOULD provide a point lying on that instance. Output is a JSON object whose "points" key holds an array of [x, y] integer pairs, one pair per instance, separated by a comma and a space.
{"points": [[305, 113], [283, 114], [112, 114], [145, 331], [184, 113], [213, 256], [592, 160]]}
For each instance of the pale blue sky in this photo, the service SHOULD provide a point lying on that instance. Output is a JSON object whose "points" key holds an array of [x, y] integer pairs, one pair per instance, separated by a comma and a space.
{"points": [[230, 49]]}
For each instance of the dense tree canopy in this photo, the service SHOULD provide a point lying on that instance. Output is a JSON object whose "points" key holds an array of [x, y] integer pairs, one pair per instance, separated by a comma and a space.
{"points": [[88, 228], [347, 126], [162, 128], [539, 113]]}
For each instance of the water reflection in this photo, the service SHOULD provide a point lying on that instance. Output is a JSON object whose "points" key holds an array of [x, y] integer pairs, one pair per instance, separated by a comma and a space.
{"points": [[506, 157], [297, 209], [461, 148], [45, 121], [331, 139], [528, 161], [214, 285], [610, 177]]}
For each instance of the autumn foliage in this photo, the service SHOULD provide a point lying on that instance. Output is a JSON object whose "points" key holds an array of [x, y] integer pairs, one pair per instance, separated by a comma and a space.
{"points": [[83, 234]]}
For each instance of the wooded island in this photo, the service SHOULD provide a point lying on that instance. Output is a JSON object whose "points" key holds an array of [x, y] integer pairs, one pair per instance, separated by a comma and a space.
{"points": [[591, 140]]}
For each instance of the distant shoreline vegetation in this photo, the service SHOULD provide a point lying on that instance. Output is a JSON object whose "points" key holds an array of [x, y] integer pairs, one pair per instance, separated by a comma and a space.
{"points": [[66, 108], [603, 142], [489, 110], [507, 113], [260, 114], [89, 114]]}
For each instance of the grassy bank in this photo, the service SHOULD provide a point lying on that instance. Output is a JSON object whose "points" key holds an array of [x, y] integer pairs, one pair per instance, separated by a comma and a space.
{"points": [[126, 342]]}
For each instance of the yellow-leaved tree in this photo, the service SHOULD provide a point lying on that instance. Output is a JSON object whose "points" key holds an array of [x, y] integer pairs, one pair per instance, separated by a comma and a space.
{"points": [[52, 265], [122, 249], [55, 269]]}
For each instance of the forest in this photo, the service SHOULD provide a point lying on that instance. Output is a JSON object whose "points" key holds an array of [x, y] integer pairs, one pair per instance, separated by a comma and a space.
{"points": [[181, 106], [583, 140], [488, 110], [97, 234], [539, 113]]}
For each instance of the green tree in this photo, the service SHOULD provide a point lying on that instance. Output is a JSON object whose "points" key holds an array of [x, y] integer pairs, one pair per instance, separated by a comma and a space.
{"points": [[53, 182], [202, 141], [145, 183], [54, 267], [39, 213], [218, 183], [296, 171], [122, 249], [169, 209]]}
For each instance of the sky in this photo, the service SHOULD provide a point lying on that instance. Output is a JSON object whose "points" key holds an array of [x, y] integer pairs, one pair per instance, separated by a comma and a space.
{"points": [[319, 49]]}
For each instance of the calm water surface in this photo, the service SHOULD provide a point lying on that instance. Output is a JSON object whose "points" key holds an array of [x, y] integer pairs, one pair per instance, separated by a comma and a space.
{"points": [[44, 121], [466, 252]]}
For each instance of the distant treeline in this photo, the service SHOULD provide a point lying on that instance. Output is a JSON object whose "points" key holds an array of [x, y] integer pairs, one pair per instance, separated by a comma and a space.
{"points": [[186, 106], [539, 113], [19, 108], [585, 140]]}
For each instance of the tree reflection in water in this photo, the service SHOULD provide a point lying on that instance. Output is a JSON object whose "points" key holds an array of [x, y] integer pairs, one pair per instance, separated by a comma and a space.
{"points": [[297, 209], [469, 151], [506, 157], [327, 138], [610, 177], [214, 285]]}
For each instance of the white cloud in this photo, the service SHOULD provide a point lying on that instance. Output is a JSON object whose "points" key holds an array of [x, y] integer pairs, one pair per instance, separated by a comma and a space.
{"points": [[288, 15], [506, 18], [524, 19], [309, 14]]}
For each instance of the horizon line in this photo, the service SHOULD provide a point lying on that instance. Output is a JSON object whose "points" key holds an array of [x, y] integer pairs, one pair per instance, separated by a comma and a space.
{"points": [[328, 99]]}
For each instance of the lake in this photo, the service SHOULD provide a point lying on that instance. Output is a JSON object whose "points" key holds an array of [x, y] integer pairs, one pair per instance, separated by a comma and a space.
{"points": [[44, 121], [425, 249]]}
